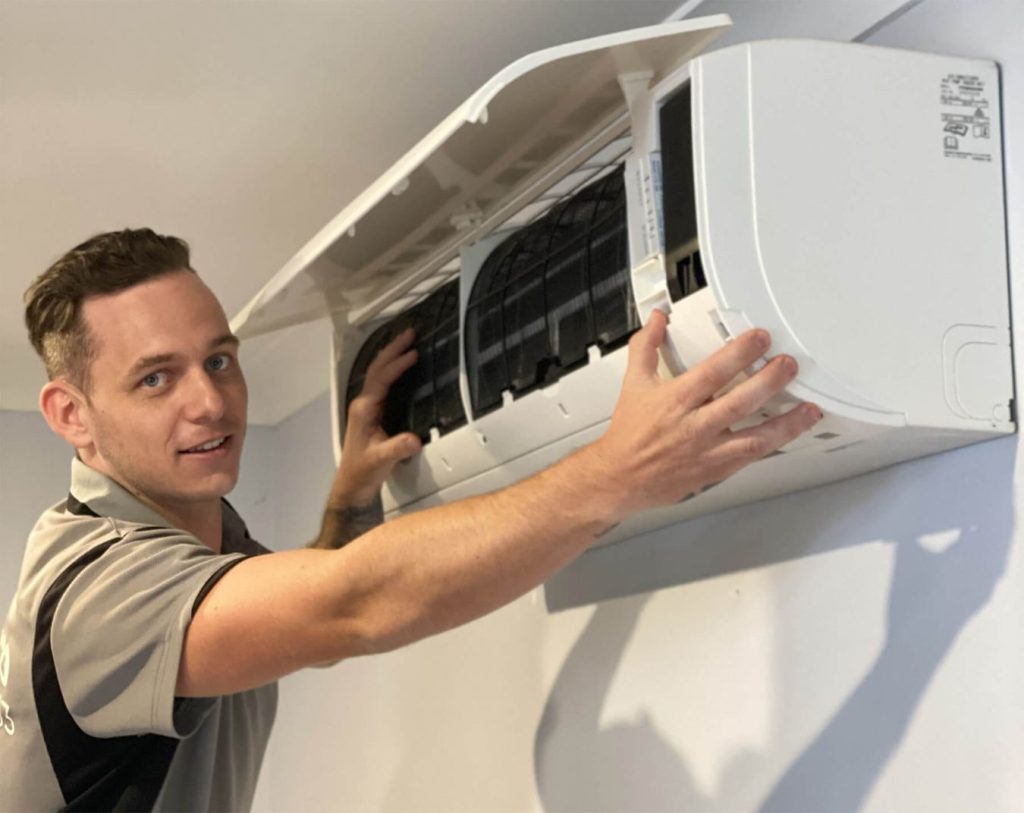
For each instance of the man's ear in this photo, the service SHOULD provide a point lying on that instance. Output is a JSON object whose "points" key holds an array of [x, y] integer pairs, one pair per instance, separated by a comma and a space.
{"points": [[64, 406]]}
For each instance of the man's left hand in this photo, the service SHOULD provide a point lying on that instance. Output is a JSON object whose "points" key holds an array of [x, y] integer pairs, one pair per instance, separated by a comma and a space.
{"points": [[369, 454]]}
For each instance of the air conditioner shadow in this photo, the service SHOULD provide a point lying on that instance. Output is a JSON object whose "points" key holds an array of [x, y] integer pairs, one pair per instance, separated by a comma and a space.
{"points": [[932, 597], [933, 594], [851, 512]]}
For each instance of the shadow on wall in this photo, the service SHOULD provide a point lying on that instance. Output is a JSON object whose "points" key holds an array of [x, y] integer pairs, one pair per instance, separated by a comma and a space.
{"points": [[580, 766], [950, 519]]}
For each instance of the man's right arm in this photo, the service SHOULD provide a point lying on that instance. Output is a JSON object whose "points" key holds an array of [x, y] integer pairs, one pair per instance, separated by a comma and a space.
{"points": [[433, 570]]}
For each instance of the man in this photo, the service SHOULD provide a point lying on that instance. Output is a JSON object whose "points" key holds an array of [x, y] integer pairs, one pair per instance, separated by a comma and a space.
{"points": [[149, 629]]}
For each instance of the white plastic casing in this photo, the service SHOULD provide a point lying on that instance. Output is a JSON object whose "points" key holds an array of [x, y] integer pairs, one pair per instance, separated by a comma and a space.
{"points": [[850, 200]]}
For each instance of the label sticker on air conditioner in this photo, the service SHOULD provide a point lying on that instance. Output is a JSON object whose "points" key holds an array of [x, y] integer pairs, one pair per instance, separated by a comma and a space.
{"points": [[649, 182], [966, 118]]}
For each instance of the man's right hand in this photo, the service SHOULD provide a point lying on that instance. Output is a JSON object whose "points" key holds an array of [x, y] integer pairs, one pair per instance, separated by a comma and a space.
{"points": [[669, 439]]}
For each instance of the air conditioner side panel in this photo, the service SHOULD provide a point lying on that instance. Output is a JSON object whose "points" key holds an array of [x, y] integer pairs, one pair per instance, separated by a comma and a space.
{"points": [[836, 214]]}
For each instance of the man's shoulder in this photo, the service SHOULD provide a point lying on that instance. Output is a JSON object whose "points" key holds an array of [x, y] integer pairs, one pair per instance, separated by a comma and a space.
{"points": [[72, 522], [63, 531], [71, 529]]}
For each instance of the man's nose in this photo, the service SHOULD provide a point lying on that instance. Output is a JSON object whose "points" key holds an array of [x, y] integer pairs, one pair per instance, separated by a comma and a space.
{"points": [[203, 399]]}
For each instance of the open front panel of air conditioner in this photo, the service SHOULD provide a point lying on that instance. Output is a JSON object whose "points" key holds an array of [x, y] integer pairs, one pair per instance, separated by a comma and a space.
{"points": [[848, 198]]}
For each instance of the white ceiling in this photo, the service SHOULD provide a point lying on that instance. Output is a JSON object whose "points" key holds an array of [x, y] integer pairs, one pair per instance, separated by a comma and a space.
{"points": [[241, 126]]}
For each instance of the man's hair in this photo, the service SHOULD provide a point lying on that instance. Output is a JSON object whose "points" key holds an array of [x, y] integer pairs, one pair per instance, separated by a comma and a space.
{"points": [[104, 264]]}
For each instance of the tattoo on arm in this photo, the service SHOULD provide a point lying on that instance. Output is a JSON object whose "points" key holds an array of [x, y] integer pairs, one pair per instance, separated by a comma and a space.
{"points": [[340, 527]]}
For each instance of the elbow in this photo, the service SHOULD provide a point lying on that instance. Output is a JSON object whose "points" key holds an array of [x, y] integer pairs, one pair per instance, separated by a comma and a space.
{"points": [[377, 608], [382, 630]]}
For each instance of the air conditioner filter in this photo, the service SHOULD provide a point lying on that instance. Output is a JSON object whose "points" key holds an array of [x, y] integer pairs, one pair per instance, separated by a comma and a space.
{"points": [[427, 395], [550, 291]]}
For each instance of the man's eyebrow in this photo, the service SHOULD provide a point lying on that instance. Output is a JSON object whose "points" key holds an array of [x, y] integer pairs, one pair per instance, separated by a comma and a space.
{"points": [[150, 361], [227, 338], [164, 358]]}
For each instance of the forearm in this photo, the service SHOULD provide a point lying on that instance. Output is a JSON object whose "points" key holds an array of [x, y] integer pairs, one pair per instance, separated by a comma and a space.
{"points": [[436, 569], [402, 581], [344, 521]]}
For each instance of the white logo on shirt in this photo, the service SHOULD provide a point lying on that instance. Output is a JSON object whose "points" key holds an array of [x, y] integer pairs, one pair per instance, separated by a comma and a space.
{"points": [[6, 722], [5, 659]]}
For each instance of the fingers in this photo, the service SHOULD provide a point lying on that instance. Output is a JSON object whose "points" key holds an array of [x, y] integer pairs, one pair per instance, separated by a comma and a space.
{"points": [[700, 383], [740, 448], [366, 407], [379, 382], [643, 348], [392, 350], [380, 376], [750, 395]]}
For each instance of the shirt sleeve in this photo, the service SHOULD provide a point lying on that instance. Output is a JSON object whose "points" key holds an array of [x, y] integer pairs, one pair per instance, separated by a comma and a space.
{"points": [[118, 631]]}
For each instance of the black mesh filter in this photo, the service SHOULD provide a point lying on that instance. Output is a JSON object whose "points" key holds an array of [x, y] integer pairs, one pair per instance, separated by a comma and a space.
{"points": [[427, 395], [682, 244], [548, 292]]}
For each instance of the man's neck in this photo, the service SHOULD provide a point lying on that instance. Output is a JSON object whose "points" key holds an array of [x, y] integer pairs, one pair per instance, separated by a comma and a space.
{"points": [[202, 520]]}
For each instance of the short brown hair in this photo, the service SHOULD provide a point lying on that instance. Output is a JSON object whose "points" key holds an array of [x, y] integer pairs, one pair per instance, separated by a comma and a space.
{"points": [[103, 264]]}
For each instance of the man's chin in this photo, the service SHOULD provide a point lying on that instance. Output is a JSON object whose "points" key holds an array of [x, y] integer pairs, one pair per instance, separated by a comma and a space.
{"points": [[208, 488], [219, 486]]}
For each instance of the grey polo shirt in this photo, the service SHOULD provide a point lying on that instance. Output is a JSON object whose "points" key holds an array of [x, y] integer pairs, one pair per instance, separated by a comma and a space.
{"points": [[89, 660]]}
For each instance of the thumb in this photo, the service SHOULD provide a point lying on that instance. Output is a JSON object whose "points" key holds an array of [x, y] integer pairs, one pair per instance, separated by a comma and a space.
{"points": [[643, 348], [399, 447]]}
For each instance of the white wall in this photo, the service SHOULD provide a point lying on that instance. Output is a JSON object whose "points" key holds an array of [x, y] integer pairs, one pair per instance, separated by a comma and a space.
{"points": [[853, 647]]}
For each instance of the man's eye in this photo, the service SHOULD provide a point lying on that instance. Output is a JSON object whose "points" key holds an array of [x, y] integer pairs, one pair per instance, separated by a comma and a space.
{"points": [[219, 362], [154, 380]]}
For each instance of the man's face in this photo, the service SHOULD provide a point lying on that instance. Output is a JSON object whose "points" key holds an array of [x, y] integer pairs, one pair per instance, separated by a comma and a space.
{"points": [[165, 387]]}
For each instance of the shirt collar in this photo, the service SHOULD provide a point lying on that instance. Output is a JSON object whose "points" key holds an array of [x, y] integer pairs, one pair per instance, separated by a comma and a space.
{"points": [[108, 498]]}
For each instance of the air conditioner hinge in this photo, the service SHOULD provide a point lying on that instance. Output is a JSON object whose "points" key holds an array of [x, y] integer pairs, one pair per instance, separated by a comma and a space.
{"points": [[471, 217]]}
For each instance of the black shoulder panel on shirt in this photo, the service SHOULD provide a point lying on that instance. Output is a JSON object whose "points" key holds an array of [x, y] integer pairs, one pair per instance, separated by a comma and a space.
{"points": [[210, 582], [234, 544], [110, 773], [79, 509]]}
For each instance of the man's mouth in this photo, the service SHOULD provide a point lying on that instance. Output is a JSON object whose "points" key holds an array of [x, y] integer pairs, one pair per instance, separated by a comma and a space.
{"points": [[209, 446]]}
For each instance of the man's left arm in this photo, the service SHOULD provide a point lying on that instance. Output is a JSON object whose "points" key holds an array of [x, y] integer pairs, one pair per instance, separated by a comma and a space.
{"points": [[368, 454]]}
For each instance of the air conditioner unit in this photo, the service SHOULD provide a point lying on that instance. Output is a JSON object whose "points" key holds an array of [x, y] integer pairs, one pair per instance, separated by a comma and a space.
{"points": [[847, 198]]}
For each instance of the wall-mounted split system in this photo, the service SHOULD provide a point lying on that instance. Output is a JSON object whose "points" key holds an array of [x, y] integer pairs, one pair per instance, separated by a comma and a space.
{"points": [[845, 197]]}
